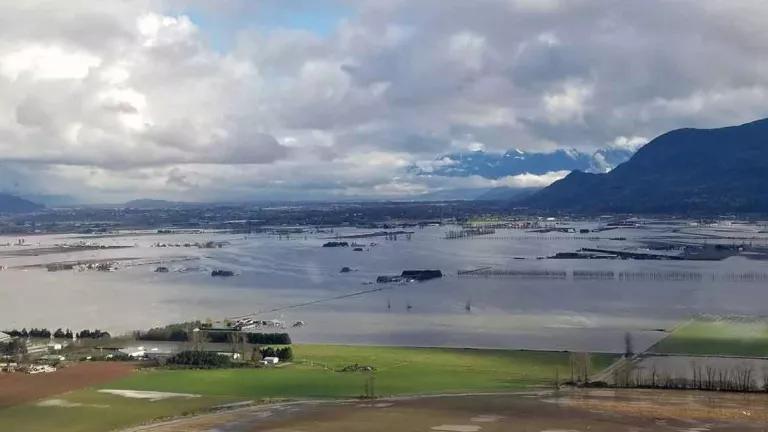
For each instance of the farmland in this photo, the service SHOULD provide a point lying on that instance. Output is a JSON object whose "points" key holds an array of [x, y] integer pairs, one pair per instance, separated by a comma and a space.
{"points": [[399, 371], [315, 374], [718, 336]]}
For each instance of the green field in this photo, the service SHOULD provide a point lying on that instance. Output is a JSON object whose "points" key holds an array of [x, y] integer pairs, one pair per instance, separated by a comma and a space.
{"points": [[747, 338], [314, 374], [399, 371]]}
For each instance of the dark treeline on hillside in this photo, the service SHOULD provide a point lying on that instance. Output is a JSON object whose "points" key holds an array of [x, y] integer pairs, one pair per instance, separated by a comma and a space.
{"points": [[58, 333]]}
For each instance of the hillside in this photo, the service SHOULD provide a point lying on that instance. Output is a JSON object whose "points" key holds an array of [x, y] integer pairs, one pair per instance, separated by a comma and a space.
{"points": [[686, 170], [13, 204]]}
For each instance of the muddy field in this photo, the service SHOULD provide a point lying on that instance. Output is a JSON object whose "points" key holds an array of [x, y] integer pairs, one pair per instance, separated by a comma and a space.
{"points": [[19, 388], [588, 411]]}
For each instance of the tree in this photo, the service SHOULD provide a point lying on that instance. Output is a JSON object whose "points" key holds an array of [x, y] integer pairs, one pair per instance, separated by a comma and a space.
{"points": [[13, 348], [628, 350]]}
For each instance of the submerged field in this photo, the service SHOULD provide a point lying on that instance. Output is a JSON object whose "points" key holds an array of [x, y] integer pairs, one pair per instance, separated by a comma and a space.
{"points": [[314, 374], [714, 336]]}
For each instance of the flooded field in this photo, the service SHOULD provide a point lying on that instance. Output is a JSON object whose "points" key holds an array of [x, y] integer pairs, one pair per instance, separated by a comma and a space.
{"points": [[588, 306]]}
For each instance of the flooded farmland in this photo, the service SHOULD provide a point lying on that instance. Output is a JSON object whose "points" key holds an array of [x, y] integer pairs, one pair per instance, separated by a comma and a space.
{"points": [[500, 290]]}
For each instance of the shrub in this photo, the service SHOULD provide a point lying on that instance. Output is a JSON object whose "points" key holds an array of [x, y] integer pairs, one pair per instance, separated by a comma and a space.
{"points": [[269, 338], [200, 359]]}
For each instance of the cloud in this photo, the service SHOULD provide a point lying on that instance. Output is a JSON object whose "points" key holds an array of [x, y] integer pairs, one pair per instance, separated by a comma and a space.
{"points": [[112, 100], [568, 104], [528, 180], [629, 143]]}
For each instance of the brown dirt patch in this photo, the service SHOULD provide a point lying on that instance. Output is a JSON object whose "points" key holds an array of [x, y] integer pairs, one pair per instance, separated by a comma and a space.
{"points": [[672, 404], [478, 413], [19, 388]]}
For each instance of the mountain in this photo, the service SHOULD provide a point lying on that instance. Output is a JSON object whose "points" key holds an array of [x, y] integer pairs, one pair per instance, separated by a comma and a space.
{"points": [[52, 200], [686, 170], [13, 204], [506, 194], [515, 162]]}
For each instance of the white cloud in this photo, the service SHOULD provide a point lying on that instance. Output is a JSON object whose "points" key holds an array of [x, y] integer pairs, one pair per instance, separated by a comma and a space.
{"points": [[467, 49], [41, 62], [528, 180], [631, 143], [568, 104], [119, 99]]}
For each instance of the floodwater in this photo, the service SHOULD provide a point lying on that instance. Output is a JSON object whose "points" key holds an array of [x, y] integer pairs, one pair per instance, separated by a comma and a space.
{"points": [[275, 276]]}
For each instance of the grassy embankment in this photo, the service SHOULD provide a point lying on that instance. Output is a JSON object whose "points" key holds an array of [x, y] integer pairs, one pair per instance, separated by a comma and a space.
{"points": [[736, 337], [314, 374]]}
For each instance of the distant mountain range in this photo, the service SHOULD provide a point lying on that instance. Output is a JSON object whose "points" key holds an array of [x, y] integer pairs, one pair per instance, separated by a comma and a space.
{"points": [[11, 204], [515, 162], [683, 171]]}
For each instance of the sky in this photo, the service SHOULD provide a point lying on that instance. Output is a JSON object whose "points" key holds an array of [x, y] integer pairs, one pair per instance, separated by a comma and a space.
{"points": [[194, 100]]}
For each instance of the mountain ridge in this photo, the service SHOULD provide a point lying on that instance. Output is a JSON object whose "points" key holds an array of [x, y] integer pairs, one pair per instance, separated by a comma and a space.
{"points": [[12, 204], [681, 171]]}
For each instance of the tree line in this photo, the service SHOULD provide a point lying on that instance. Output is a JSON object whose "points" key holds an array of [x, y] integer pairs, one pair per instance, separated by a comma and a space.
{"points": [[58, 333], [179, 334], [200, 359], [739, 378]]}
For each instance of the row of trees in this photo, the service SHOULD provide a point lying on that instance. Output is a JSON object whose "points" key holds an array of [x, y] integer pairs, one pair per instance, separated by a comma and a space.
{"points": [[180, 334], [269, 338], [200, 359], [171, 333], [741, 378], [58, 333]]}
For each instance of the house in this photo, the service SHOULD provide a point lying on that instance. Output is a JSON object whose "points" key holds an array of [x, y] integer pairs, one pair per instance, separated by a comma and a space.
{"points": [[5, 338], [55, 346], [270, 360]]}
